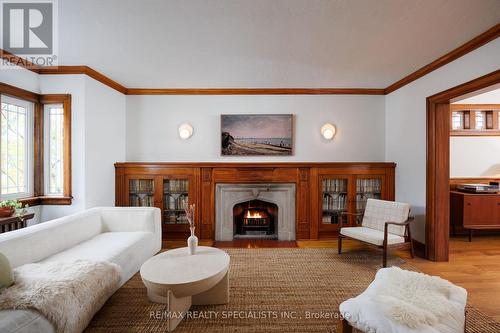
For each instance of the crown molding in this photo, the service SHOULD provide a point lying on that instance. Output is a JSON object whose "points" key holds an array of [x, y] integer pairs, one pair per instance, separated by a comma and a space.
{"points": [[480, 40], [85, 70], [258, 91]]}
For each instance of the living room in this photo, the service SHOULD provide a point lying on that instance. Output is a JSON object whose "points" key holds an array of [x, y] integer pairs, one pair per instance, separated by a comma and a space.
{"points": [[249, 166]]}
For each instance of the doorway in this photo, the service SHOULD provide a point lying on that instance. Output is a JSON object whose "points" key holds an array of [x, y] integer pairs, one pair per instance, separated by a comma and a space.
{"points": [[438, 164]]}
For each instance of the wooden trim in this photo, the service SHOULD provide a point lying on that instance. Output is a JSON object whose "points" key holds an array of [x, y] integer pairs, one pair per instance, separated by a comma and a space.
{"points": [[7, 89], [465, 107], [266, 165], [21, 62], [478, 41], [38, 151], [438, 164], [257, 91], [84, 70], [486, 132], [65, 99], [46, 200]]}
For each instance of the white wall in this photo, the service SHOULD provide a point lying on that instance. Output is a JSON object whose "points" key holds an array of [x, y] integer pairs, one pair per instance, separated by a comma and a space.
{"points": [[476, 156], [20, 77], [104, 141], [152, 123], [405, 121]]}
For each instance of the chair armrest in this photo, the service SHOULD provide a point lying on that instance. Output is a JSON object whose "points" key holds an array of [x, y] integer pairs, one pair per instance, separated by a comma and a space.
{"points": [[386, 226], [411, 218]]}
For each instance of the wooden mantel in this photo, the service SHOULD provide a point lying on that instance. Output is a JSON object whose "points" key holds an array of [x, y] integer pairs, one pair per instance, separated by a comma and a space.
{"points": [[203, 176]]}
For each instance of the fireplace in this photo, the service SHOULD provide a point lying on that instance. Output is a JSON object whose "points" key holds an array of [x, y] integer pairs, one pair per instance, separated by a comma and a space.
{"points": [[261, 210], [255, 219]]}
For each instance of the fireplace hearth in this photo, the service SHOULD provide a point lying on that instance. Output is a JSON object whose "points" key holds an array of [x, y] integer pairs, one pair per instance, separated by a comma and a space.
{"points": [[255, 219]]}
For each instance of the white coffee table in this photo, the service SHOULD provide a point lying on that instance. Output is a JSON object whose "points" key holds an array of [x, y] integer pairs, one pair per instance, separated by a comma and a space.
{"points": [[179, 279]]}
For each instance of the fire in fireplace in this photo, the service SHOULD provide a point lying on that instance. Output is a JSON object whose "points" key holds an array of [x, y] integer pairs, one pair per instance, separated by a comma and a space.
{"points": [[255, 219]]}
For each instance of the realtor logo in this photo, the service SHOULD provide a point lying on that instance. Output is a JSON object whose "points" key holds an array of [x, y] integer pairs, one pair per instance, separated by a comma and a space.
{"points": [[29, 31], [27, 27]]}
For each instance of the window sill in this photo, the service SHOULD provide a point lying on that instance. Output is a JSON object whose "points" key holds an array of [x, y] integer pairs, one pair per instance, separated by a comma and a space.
{"points": [[487, 132], [36, 201]]}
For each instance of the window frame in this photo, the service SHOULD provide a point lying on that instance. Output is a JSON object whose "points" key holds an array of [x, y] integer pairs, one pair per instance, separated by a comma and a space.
{"points": [[469, 115], [38, 197], [29, 153]]}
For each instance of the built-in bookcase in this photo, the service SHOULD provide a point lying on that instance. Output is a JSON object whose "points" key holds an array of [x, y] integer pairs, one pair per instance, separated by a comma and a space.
{"points": [[141, 192], [175, 191], [328, 195], [366, 188], [335, 199], [166, 192], [344, 198]]}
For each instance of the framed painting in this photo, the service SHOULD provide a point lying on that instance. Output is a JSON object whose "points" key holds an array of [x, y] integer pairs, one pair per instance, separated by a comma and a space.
{"points": [[257, 134]]}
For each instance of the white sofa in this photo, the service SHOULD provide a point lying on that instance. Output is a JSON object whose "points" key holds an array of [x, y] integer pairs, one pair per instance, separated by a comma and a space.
{"points": [[122, 235]]}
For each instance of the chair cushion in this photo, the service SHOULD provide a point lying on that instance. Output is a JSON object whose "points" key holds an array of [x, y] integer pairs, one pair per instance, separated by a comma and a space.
{"points": [[419, 304], [372, 236], [126, 249], [378, 212]]}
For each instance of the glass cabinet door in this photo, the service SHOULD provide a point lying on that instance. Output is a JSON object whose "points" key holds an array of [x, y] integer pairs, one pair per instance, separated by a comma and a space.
{"points": [[175, 191], [335, 201], [367, 188], [141, 192]]}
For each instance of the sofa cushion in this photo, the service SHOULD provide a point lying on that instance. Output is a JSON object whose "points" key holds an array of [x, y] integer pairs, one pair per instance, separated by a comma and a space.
{"points": [[372, 236], [126, 249], [24, 321], [42, 240], [6, 277]]}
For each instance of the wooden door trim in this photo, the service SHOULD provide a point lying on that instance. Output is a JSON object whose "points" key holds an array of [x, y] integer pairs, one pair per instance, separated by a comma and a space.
{"points": [[438, 164]]}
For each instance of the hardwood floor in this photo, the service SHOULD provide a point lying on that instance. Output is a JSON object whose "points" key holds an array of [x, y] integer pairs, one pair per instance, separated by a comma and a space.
{"points": [[474, 266]]}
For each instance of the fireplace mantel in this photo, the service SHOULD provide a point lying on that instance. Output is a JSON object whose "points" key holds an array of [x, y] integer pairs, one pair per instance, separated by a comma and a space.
{"points": [[203, 178]]}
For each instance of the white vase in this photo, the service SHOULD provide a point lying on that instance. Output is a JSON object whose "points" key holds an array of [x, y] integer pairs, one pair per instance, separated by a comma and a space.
{"points": [[192, 242]]}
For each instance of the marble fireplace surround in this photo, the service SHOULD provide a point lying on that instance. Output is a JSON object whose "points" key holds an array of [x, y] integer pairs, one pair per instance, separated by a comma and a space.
{"points": [[280, 194]]}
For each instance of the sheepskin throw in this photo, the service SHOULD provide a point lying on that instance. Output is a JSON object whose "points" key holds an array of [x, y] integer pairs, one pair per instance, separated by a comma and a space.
{"points": [[68, 294], [413, 299]]}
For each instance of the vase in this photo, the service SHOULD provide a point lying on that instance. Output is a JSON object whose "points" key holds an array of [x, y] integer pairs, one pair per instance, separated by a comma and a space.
{"points": [[192, 242]]}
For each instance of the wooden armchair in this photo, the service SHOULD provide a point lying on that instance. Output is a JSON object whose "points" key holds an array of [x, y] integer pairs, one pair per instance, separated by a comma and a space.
{"points": [[386, 224]]}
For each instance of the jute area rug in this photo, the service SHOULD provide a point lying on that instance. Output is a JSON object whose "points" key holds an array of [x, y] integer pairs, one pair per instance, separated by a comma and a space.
{"points": [[272, 290]]}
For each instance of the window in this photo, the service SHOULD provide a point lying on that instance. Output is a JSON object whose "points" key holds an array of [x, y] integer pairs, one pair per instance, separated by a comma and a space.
{"points": [[480, 120], [16, 148], [475, 120], [457, 120], [54, 149], [35, 147]]}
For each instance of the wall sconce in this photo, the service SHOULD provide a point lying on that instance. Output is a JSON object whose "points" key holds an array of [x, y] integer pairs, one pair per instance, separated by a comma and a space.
{"points": [[185, 131], [328, 131]]}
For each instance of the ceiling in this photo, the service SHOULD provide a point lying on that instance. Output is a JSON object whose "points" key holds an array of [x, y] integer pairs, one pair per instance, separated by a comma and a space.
{"points": [[265, 43]]}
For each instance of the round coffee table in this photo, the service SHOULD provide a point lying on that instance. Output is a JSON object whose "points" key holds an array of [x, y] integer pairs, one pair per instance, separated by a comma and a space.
{"points": [[179, 279]]}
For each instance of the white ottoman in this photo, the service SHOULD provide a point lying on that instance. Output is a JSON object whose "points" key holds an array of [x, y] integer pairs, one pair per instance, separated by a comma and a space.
{"points": [[400, 301]]}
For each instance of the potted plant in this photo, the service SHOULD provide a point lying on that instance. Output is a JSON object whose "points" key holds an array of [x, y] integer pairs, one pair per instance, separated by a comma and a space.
{"points": [[9, 207]]}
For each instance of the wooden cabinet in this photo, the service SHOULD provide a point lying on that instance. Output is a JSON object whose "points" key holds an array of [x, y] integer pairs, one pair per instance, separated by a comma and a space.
{"points": [[324, 191], [474, 211], [346, 191]]}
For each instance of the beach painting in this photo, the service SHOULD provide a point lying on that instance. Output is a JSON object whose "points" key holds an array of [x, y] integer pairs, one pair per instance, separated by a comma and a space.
{"points": [[257, 134]]}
